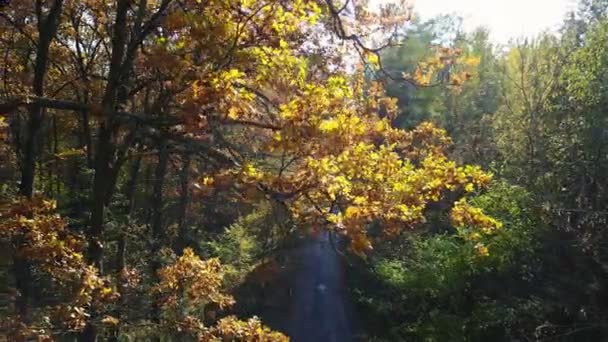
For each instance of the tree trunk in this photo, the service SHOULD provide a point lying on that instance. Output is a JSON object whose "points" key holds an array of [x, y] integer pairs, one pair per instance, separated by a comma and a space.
{"points": [[47, 28], [104, 152]]}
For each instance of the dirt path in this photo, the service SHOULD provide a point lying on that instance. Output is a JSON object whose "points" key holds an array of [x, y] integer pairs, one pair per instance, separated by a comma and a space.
{"points": [[319, 310]]}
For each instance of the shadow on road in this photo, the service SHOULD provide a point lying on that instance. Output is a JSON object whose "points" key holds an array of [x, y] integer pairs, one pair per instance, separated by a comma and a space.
{"points": [[319, 309]]}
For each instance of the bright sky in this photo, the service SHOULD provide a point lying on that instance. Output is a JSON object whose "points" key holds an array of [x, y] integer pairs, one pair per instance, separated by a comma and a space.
{"points": [[506, 19]]}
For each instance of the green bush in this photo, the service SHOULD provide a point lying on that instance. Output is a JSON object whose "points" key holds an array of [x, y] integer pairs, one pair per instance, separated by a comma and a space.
{"points": [[442, 290]]}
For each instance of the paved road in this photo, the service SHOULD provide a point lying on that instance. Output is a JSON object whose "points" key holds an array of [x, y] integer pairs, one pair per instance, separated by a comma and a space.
{"points": [[320, 311]]}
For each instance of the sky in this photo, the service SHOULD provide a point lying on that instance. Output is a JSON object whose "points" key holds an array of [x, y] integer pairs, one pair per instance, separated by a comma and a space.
{"points": [[507, 19]]}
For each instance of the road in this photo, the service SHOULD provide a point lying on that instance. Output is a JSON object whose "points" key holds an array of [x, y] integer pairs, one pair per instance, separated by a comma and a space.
{"points": [[319, 310]]}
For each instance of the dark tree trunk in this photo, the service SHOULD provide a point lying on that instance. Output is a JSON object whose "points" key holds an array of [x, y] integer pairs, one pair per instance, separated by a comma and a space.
{"points": [[98, 197], [108, 156], [47, 28], [104, 152], [95, 231]]}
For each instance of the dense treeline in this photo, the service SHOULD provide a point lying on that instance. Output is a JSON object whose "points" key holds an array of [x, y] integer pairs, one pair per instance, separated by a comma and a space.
{"points": [[160, 158], [534, 114]]}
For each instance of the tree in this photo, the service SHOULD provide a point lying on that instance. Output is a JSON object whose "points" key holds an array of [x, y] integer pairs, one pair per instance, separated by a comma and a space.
{"points": [[531, 73]]}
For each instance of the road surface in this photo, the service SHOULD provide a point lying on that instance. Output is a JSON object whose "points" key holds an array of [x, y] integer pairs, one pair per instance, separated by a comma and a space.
{"points": [[319, 308]]}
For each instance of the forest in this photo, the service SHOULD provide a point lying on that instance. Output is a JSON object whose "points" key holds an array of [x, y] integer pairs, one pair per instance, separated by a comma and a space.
{"points": [[304, 170]]}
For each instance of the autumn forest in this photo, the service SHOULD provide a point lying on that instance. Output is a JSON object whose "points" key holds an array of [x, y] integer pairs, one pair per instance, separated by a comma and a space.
{"points": [[304, 170]]}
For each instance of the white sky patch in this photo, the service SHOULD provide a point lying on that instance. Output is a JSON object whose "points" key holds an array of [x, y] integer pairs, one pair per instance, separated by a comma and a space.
{"points": [[506, 19]]}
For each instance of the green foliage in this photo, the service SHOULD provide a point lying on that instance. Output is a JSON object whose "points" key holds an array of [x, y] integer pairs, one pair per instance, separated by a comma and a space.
{"points": [[240, 246], [253, 236], [444, 291], [586, 76], [513, 206]]}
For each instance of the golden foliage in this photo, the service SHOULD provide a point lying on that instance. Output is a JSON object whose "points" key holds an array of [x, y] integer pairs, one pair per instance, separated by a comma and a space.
{"points": [[232, 329], [42, 238], [448, 66], [473, 225], [191, 284], [193, 281], [328, 148]]}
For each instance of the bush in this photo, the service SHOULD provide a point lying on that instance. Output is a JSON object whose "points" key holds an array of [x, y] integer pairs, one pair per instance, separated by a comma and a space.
{"points": [[442, 289]]}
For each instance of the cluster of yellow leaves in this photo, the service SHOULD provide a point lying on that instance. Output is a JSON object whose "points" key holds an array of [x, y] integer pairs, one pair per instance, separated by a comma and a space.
{"points": [[43, 234], [232, 329], [7, 155], [344, 155], [441, 68], [42, 238], [193, 281], [465, 215], [191, 284], [359, 163], [372, 183], [473, 224], [250, 43], [70, 153]]}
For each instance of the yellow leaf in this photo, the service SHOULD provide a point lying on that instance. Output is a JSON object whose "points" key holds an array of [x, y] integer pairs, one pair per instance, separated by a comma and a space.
{"points": [[109, 320], [233, 113], [482, 250], [373, 59], [328, 126]]}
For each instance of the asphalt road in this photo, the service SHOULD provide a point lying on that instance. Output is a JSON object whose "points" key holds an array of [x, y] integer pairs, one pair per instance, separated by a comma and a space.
{"points": [[319, 310]]}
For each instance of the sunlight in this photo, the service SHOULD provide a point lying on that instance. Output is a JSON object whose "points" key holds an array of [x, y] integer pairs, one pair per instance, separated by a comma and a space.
{"points": [[506, 19]]}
